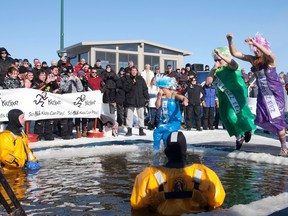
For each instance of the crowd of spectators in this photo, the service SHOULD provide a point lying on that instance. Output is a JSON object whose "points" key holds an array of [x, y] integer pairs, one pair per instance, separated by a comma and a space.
{"points": [[124, 92]]}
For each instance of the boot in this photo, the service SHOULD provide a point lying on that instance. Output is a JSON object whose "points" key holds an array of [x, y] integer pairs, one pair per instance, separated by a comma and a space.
{"points": [[150, 126], [141, 132], [78, 133], [129, 132]]}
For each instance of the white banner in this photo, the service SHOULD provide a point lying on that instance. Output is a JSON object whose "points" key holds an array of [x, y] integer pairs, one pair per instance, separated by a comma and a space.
{"points": [[37, 104]]}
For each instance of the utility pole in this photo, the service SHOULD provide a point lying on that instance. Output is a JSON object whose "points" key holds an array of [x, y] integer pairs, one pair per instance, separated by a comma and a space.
{"points": [[62, 25]]}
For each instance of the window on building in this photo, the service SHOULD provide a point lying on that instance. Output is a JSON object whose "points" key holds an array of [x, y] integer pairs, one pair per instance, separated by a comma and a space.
{"points": [[128, 47], [152, 60], [74, 60], [151, 49], [84, 56], [169, 52], [106, 46], [124, 58], [106, 58], [173, 63]]}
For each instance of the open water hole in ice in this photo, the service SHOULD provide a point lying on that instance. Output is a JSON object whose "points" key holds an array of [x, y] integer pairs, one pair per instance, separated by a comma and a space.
{"points": [[101, 184]]}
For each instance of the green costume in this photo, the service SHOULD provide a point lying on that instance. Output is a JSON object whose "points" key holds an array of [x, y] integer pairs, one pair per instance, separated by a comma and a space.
{"points": [[232, 93]]}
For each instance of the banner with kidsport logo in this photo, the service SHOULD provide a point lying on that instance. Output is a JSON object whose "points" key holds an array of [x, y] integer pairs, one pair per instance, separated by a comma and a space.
{"points": [[38, 105]]}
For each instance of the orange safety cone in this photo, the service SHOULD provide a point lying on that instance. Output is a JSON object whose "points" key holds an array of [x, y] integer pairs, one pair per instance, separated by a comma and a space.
{"points": [[95, 133], [31, 137]]}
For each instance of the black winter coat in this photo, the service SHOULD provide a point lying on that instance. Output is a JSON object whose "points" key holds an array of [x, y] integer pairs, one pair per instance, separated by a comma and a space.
{"points": [[109, 78], [194, 93], [137, 93], [4, 65], [120, 92]]}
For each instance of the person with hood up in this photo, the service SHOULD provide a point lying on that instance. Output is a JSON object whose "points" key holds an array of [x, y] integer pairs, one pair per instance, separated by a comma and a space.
{"points": [[14, 150], [177, 187], [5, 63]]}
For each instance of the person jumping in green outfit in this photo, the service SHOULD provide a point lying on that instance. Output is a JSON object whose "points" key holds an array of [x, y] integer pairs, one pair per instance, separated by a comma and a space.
{"points": [[235, 113]]}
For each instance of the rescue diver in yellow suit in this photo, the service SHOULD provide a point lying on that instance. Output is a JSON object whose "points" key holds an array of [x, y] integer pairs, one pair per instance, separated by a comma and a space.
{"points": [[177, 188], [14, 150]]}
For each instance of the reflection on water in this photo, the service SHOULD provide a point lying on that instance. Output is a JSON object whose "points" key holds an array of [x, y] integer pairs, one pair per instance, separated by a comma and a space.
{"points": [[102, 185]]}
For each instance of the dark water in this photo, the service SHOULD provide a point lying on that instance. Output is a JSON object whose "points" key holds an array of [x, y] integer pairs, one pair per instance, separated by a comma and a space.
{"points": [[102, 185]]}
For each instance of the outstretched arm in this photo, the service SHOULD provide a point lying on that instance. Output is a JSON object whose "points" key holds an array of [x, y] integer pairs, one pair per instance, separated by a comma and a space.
{"points": [[234, 52], [182, 98]]}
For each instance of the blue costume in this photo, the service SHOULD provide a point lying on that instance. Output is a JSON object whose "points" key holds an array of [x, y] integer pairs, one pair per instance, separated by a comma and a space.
{"points": [[171, 119]]}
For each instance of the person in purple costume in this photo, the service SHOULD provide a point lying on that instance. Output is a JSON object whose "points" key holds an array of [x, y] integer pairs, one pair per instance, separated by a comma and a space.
{"points": [[270, 98]]}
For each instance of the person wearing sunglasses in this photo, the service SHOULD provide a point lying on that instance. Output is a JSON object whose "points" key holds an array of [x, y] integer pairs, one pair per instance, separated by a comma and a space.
{"points": [[232, 92]]}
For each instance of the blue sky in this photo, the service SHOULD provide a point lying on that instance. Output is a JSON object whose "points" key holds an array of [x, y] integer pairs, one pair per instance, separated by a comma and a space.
{"points": [[31, 28]]}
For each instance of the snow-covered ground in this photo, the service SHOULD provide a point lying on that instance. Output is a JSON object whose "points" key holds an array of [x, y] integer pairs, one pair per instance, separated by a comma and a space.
{"points": [[261, 149]]}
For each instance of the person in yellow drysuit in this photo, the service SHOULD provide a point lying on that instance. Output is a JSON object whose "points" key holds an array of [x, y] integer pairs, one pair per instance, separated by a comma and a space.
{"points": [[177, 188], [14, 150]]}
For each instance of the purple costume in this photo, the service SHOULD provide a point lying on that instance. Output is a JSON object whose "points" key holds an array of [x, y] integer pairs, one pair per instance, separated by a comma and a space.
{"points": [[270, 100]]}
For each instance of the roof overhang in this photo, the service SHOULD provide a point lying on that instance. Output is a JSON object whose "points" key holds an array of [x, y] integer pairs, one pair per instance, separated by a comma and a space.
{"points": [[141, 42]]}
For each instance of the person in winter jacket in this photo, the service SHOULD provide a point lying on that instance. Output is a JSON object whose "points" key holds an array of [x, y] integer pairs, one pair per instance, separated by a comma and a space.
{"points": [[120, 99], [109, 77], [5, 62], [14, 149], [154, 113], [208, 105], [12, 80], [69, 83], [136, 97], [44, 127], [195, 95]]}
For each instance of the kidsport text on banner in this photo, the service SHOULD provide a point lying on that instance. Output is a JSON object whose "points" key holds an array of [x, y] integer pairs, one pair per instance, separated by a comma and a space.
{"points": [[38, 105]]}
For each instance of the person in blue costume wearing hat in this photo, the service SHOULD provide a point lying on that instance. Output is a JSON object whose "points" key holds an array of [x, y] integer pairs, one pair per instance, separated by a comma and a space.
{"points": [[171, 118]]}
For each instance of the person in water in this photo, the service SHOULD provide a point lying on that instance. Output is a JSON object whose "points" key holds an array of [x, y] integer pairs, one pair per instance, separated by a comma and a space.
{"points": [[177, 187], [270, 99], [171, 118], [232, 92], [14, 150]]}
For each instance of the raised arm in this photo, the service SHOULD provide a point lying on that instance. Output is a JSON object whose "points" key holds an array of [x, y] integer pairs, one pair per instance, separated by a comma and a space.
{"points": [[266, 52], [231, 62], [234, 52]]}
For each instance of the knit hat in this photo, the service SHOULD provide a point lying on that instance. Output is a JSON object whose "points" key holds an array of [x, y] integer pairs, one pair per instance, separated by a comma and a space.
{"points": [[23, 69], [69, 68], [121, 69], [81, 73], [176, 147]]}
